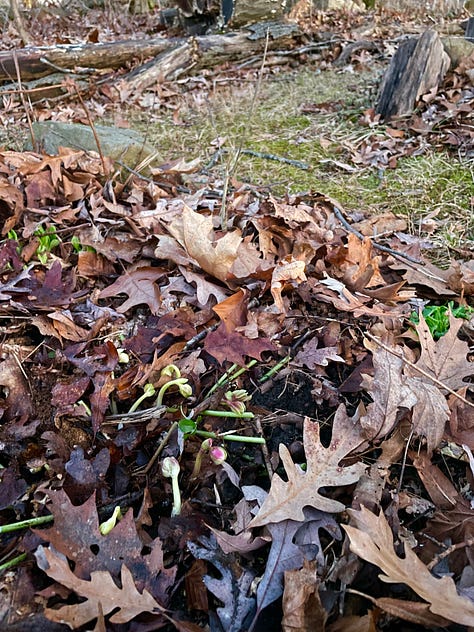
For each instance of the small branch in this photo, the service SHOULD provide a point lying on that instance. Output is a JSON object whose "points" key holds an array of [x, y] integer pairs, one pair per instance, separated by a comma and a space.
{"points": [[454, 547], [23, 102], [287, 161], [389, 251], [144, 471], [416, 368]]}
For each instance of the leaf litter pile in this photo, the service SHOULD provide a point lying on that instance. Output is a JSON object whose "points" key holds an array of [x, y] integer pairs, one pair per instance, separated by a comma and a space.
{"points": [[268, 426], [226, 427]]}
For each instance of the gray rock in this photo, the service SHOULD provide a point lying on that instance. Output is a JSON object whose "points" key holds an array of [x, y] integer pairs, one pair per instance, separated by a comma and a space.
{"points": [[125, 145]]}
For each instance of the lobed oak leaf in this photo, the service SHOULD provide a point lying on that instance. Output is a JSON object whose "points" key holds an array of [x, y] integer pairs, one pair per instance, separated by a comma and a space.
{"points": [[75, 534], [194, 232], [101, 592], [232, 588], [140, 287], [372, 540], [393, 392], [286, 500], [444, 359]]}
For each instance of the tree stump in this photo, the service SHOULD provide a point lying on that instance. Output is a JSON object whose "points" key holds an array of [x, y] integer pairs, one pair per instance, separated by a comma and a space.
{"points": [[418, 66]]}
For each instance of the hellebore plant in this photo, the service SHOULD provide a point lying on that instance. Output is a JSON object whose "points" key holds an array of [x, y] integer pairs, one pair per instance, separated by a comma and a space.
{"points": [[181, 382], [217, 455], [106, 527], [234, 400], [148, 391], [170, 469]]}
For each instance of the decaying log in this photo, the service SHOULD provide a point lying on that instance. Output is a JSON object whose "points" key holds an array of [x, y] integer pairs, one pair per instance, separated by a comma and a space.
{"points": [[418, 66], [171, 56], [209, 50], [39, 61]]}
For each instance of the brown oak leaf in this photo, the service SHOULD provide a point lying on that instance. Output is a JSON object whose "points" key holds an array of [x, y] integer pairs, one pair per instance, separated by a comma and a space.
{"points": [[101, 592], [444, 359], [140, 287], [372, 540], [286, 500]]}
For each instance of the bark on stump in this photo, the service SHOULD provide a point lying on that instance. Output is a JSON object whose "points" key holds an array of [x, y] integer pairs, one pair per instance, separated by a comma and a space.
{"points": [[418, 66]]}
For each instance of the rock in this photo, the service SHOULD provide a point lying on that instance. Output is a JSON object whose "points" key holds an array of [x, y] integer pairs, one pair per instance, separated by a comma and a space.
{"points": [[458, 49], [125, 145], [337, 5]]}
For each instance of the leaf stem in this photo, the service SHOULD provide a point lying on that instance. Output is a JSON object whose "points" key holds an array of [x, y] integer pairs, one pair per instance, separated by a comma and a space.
{"points": [[229, 437], [25, 524]]}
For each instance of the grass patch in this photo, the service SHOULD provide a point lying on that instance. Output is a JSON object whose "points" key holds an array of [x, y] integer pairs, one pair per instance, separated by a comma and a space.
{"points": [[434, 187]]}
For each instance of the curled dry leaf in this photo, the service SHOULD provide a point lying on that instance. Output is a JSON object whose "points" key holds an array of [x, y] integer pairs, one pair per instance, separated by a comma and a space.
{"points": [[372, 540], [445, 359], [288, 273], [394, 391]]}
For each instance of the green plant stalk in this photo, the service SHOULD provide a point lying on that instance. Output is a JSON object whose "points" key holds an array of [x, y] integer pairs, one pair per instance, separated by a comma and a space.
{"points": [[230, 375], [278, 366], [161, 393], [223, 413], [13, 562], [25, 524], [148, 392], [229, 437]]}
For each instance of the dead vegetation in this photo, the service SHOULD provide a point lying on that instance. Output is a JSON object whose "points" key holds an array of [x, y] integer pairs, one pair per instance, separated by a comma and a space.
{"points": [[236, 394]]}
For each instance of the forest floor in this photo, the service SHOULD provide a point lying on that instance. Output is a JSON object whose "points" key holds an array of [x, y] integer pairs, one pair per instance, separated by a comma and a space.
{"points": [[254, 359]]}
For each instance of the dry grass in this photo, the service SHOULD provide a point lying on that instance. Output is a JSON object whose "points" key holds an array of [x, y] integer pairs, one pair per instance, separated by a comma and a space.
{"points": [[434, 190]]}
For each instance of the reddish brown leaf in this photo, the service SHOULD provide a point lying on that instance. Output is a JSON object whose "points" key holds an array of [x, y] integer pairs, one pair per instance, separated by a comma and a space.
{"points": [[140, 286]]}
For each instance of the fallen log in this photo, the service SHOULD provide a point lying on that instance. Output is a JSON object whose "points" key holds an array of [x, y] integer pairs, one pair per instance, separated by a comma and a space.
{"points": [[40, 61], [209, 50], [171, 56]]}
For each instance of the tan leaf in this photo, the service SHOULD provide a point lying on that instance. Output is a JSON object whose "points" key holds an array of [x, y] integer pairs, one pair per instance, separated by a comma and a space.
{"points": [[286, 500], [444, 359], [101, 592], [372, 540], [390, 391], [302, 607], [215, 256], [393, 391], [288, 273]]}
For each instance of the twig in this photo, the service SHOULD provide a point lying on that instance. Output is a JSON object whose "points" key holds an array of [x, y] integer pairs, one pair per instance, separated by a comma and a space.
{"points": [[260, 154], [23, 102], [386, 249], [454, 547], [144, 471], [416, 368], [92, 126], [231, 166], [265, 452]]}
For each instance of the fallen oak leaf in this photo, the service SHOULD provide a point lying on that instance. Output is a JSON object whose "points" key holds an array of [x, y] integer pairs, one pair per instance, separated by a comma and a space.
{"points": [[286, 500], [140, 287], [195, 233], [101, 592], [445, 359], [372, 540]]}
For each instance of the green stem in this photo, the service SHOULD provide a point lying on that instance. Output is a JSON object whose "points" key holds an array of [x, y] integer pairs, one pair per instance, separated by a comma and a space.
{"points": [[13, 562], [24, 524], [230, 375], [226, 413], [176, 496], [230, 437], [161, 393], [266, 376]]}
